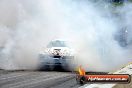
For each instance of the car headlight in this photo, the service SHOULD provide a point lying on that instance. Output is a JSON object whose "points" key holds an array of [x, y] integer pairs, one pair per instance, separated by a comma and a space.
{"points": [[65, 52]]}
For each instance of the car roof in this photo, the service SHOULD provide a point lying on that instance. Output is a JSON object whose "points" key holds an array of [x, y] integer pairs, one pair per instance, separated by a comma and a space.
{"points": [[57, 43]]}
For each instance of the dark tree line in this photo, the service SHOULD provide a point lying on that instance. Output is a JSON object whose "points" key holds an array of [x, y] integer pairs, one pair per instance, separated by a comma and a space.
{"points": [[118, 1]]}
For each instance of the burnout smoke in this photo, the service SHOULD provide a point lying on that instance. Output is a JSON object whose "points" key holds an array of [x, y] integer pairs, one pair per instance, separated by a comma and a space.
{"points": [[27, 26]]}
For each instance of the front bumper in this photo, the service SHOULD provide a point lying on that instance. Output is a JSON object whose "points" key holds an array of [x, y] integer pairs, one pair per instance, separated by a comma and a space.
{"points": [[50, 62], [55, 61]]}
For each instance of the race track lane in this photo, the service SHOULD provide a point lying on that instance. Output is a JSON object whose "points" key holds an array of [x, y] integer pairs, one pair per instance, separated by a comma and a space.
{"points": [[38, 79]]}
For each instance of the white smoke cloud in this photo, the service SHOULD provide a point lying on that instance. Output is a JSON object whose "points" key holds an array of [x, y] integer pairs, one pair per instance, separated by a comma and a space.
{"points": [[27, 26]]}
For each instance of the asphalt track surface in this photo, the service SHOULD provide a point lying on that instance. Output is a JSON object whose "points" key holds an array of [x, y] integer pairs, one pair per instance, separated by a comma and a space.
{"points": [[37, 79]]}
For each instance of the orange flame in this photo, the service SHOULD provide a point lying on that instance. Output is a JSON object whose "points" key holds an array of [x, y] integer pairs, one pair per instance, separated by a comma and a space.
{"points": [[81, 70]]}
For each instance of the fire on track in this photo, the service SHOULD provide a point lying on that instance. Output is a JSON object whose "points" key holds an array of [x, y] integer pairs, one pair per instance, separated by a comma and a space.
{"points": [[124, 70]]}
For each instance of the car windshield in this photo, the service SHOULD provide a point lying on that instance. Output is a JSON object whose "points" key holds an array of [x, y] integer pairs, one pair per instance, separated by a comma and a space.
{"points": [[57, 43]]}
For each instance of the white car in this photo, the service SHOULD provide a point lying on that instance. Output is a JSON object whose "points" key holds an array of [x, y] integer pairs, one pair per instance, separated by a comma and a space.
{"points": [[57, 56]]}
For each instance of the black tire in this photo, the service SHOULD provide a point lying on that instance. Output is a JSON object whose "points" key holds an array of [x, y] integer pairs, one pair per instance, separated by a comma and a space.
{"points": [[82, 80]]}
